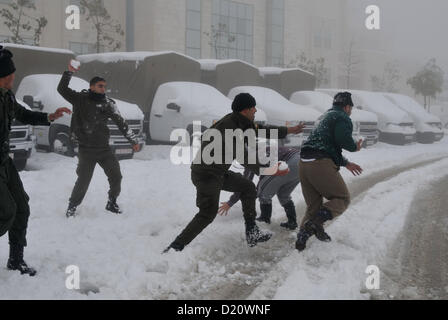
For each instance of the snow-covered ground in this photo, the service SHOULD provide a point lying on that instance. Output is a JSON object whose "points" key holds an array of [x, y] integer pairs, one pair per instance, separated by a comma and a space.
{"points": [[119, 257]]}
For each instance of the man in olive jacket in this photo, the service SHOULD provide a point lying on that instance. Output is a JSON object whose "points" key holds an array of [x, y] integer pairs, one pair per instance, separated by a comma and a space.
{"points": [[92, 110], [321, 158], [210, 178], [14, 208]]}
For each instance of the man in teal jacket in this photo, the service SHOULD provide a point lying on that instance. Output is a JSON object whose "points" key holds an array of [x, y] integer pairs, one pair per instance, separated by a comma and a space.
{"points": [[321, 158]]}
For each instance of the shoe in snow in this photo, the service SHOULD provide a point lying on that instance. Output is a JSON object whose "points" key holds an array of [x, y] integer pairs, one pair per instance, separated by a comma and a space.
{"points": [[21, 266], [175, 246], [254, 236], [291, 225], [113, 207], [302, 238], [71, 211]]}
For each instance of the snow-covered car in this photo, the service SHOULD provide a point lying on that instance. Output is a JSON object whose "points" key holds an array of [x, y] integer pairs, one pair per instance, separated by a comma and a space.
{"points": [[395, 126], [177, 105], [429, 127], [281, 112], [365, 124], [22, 141], [40, 92]]}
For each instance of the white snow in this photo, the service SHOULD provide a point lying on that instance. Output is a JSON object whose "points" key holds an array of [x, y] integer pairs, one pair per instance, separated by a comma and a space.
{"points": [[278, 109], [211, 64], [119, 257], [323, 102], [36, 48], [113, 57], [278, 71]]}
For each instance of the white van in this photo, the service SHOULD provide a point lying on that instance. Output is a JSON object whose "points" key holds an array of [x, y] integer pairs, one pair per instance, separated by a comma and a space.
{"points": [[281, 112], [177, 105], [429, 127], [395, 126], [22, 141], [40, 91], [365, 124]]}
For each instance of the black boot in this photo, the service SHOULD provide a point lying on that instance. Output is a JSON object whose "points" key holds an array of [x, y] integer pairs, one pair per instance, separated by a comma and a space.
{"points": [[266, 213], [16, 262], [316, 225], [302, 238], [71, 211], [254, 235], [175, 246], [290, 210], [113, 207]]}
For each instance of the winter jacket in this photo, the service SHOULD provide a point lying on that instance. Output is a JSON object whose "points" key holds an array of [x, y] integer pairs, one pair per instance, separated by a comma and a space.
{"points": [[332, 134], [232, 121], [10, 109], [90, 117]]}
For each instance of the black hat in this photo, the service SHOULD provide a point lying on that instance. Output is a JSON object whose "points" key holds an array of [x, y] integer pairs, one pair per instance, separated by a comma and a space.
{"points": [[243, 101], [6, 64], [343, 99]]}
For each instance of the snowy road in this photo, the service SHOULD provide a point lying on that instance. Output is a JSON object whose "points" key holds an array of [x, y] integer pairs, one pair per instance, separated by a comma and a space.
{"points": [[119, 256], [417, 265]]}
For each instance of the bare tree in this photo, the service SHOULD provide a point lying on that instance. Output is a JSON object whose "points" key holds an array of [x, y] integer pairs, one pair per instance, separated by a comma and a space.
{"points": [[350, 63], [317, 67], [105, 27], [217, 34], [19, 21]]}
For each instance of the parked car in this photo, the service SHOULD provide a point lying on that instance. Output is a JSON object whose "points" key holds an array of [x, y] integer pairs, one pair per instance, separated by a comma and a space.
{"points": [[40, 92], [429, 127], [177, 105], [365, 124], [281, 112], [22, 141], [395, 126]]}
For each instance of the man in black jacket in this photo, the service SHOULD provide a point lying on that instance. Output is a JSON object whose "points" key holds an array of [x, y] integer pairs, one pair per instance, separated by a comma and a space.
{"points": [[91, 111], [210, 178], [14, 208]]}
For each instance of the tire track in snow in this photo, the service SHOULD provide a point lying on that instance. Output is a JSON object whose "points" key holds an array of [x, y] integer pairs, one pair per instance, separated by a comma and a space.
{"points": [[417, 265], [236, 273]]}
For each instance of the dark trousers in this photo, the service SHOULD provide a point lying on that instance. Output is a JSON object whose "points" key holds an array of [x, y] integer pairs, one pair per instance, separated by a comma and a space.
{"points": [[208, 188], [14, 208], [88, 158]]}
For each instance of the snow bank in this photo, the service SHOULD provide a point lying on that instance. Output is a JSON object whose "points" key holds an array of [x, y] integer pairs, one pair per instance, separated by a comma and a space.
{"points": [[278, 71]]}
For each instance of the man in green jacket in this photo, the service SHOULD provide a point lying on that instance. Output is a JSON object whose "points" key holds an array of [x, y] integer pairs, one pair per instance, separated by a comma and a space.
{"points": [[92, 110], [321, 158], [14, 208], [210, 178]]}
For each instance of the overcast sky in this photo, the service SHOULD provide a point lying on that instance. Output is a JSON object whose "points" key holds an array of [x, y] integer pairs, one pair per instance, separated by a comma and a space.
{"points": [[414, 29]]}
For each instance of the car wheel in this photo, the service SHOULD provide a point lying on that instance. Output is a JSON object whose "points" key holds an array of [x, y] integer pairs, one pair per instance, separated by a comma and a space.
{"points": [[62, 145]]}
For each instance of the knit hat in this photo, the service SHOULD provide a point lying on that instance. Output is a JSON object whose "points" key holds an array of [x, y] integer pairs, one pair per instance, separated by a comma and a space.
{"points": [[6, 64], [343, 99], [243, 101]]}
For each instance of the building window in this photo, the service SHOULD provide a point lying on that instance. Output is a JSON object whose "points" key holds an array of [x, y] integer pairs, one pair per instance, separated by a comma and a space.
{"points": [[193, 32], [232, 30], [275, 33], [322, 33]]}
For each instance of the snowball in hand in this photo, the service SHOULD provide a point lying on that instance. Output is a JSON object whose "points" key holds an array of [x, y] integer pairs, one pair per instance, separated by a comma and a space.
{"points": [[75, 64], [283, 166]]}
